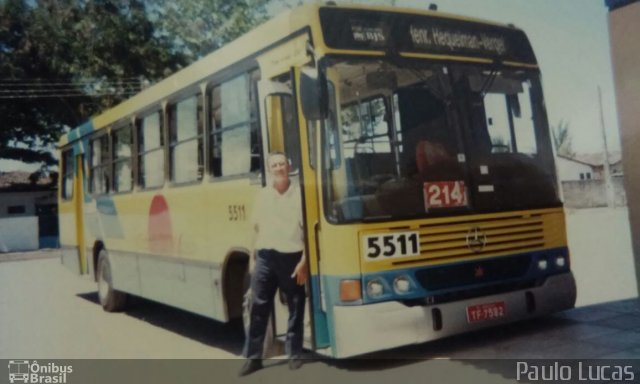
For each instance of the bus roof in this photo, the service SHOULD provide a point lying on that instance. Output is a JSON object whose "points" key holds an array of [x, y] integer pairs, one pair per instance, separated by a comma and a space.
{"points": [[242, 48]]}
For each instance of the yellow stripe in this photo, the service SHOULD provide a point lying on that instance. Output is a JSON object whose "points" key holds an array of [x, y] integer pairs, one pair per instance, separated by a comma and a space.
{"points": [[445, 57], [518, 64], [332, 51]]}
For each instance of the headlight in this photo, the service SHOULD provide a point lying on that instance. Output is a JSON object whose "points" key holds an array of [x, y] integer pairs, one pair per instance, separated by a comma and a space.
{"points": [[542, 264], [560, 261], [401, 284], [375, 288]]}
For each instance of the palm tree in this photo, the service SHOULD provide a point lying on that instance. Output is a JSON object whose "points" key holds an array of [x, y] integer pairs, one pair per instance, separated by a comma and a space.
{"points": [[562, 139]]}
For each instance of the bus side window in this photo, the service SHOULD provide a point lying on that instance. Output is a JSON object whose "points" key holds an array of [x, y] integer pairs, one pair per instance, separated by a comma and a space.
{"points": [[215, 121], [235, 144], [185, 130], [100, 164], [122, 161], [151, 151]]}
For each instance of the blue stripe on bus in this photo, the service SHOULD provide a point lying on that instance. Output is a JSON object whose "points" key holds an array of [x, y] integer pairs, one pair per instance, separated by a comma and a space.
{"points": [[108, 215], [81, 131], [332, 283], [331, 287], [320, 323]]}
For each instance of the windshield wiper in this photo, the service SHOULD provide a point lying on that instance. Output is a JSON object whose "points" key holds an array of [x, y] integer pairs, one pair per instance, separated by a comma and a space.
{"points": [[488, 81]]}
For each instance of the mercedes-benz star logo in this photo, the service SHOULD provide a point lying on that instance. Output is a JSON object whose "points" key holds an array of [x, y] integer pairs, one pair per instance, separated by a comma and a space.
{"points": [[476, 239]]}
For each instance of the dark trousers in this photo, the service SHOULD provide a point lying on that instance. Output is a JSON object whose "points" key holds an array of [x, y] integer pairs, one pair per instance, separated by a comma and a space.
{"points": [[273, 270]]}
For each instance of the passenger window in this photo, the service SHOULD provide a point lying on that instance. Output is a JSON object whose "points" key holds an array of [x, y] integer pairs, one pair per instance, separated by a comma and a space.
{"points": [[99, 172], [235, 144], [122, 161], [151, 154], [185, 126]]}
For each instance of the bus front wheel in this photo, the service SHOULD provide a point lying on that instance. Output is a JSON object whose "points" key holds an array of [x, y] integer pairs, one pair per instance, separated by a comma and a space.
{"points": [[110, 299]]}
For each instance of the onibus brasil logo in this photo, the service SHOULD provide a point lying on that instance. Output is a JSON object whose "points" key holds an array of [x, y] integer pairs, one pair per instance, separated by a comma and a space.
{"points": [[24, 371]]}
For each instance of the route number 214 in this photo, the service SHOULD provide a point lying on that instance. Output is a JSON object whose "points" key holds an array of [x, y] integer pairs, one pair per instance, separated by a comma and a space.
{"points": [[444, 194]]}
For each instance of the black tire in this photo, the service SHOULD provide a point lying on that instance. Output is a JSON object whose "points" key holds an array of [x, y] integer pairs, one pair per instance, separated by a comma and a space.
{"points": [[270, 347], [110, 299]]}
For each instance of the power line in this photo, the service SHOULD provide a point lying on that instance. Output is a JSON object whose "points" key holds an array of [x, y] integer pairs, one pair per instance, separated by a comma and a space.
{"points": [[68, 84], [66, 95], [63, 90], [53, 80]]}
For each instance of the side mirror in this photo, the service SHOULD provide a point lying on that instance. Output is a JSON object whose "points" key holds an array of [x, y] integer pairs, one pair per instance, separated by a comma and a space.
{"points": [[313, 93]]}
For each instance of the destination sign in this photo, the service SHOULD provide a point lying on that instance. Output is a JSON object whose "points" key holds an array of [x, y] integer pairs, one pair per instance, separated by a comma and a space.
{"points": [[433, 37], [373, 35], [354, 29]]}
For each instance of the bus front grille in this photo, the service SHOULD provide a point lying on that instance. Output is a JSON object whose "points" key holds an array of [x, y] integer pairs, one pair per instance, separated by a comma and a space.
{"points": [[483, 237]]}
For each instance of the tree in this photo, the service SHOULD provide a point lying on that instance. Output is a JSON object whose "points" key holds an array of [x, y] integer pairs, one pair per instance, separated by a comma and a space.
{"points": [[562, 139], [65, 60], [62, 61], [199, 27]]}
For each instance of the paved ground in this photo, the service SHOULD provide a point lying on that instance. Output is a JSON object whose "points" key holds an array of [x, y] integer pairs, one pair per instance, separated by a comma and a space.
{"points": [[48, 313], [601, 255], [55, 315]]}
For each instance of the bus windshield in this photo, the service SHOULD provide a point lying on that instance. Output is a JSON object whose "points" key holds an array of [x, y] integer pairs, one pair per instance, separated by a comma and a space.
{"points": [[414, 139]]}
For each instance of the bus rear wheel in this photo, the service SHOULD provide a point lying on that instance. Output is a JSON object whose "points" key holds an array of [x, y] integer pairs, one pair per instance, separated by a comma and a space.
{"points": [[110, 299]]}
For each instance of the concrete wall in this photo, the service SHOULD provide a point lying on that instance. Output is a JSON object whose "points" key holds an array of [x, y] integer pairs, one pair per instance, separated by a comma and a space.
{"points": [[592, 193], [19, 234], [624, 29]]}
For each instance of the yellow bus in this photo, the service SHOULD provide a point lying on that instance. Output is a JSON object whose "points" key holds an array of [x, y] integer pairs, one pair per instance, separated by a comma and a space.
{"points": [[420, 142]]}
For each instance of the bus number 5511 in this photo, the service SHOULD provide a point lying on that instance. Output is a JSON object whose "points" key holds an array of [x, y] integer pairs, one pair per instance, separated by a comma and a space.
{"points": [[390, 245]]}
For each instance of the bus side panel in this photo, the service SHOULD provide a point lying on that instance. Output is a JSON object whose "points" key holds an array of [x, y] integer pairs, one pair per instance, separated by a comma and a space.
{"points": [[183, 285], [126, 271], [161, 246], [145, 262]]}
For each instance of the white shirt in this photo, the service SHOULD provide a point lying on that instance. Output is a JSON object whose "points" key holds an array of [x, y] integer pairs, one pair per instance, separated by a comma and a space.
{"points": [[279, 219]]}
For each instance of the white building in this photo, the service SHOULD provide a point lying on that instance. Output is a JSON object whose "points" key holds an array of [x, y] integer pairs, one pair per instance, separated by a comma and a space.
{"points": [[572, 169], [588, 166], [28, 212]]}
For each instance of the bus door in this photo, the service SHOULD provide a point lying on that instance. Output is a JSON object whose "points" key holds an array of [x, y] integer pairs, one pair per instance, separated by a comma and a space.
{"points": [[79, 213], [71, 212], [281, 133]]}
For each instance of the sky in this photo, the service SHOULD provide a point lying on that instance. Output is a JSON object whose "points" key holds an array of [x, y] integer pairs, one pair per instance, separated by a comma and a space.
{"points": [[571, 41]]}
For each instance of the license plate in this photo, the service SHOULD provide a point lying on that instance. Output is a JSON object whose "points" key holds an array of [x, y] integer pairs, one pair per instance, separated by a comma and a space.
{"points": [[483, 312]]}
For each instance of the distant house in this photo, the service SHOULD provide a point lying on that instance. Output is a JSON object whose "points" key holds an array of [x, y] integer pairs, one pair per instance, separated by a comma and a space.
{"points": [[570, 169], [28, 211], [583, 181], [588, 166]]}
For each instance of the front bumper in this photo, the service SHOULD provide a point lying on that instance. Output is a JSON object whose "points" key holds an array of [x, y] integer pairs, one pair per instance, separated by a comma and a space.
{"points": [[374, 327]]}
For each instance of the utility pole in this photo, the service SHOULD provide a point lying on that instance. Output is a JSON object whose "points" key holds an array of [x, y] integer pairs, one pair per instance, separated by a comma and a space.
{"points": [[607, 171]]}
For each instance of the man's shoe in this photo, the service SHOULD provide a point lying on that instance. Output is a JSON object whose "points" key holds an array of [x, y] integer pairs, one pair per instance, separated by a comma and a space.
{"points": [[250, 366], [295, 363]]}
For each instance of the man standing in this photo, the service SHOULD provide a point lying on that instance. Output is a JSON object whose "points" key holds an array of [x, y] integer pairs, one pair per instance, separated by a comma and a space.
{"points": [[279, 263]]}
